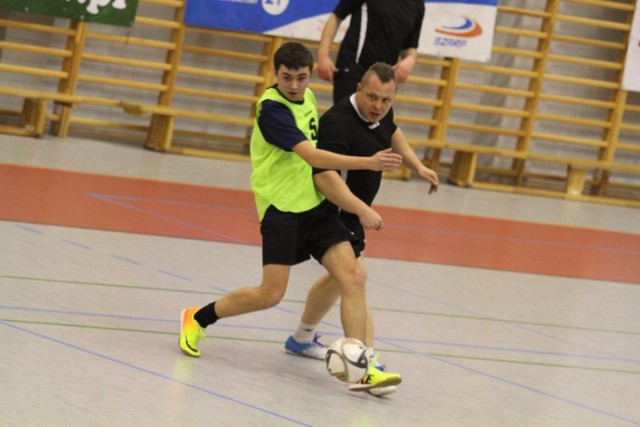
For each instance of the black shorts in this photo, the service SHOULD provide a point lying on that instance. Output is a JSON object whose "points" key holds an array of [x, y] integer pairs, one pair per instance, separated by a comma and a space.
{"points": [[352, 222], [291, 238], [358, 240]]}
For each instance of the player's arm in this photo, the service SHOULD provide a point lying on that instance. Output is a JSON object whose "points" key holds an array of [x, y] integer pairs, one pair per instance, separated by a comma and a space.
{"points": [[331, 184], [400, 145], [384, 160], [279, 128], [409, 54], [326, 67]]}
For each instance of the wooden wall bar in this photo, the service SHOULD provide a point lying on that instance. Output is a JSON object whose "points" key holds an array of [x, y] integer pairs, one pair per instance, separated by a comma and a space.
{"points": [[547, 115]]}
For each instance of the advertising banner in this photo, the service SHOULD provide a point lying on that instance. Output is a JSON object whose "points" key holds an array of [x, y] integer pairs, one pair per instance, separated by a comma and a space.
{"points": [[631, 76], [114, 12], [459, 28], [301, 19]]}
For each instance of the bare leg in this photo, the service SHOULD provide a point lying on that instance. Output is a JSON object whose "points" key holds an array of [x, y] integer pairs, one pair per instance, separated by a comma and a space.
{"points": [[342, 265], [370, 328], [267, 295], [323, 295]]}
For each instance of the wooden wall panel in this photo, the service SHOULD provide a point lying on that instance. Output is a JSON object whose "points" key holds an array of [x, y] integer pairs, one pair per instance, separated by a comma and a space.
{"points": [[545, 116]]}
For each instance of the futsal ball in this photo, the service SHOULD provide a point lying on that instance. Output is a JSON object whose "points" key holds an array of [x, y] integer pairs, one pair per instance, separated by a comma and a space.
{"points": [[347, 360]]}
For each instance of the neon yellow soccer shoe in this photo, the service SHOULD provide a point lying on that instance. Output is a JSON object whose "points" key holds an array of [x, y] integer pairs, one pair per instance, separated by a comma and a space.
{"points": [[376, 378], [190, 332]]}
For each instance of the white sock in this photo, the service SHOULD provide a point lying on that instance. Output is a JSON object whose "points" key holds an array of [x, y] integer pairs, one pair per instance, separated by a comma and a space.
{"points": [[304, 333]]}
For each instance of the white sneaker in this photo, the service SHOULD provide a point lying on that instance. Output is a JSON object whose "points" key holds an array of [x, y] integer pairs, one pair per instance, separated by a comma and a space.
{"points": [[382, 391]]}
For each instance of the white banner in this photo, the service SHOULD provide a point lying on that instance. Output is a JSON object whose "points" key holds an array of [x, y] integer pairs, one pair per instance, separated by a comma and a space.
{"points": [[631, 76], [459, 28]]}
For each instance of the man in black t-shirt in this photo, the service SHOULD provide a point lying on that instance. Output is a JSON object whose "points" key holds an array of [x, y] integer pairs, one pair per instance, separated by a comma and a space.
{"points": [[357, 126], [379, 31]]}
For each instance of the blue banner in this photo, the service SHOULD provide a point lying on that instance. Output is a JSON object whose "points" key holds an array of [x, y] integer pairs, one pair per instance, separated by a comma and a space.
{"points": [[255, 16]]}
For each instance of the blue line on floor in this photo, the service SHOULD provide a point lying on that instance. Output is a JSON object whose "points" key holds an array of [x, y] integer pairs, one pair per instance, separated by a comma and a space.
{"points": [[157, 374]]}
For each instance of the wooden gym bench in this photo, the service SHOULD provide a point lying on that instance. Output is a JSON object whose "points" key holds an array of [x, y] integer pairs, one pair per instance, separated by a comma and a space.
{"points": [[463, 167], [34, 109]]}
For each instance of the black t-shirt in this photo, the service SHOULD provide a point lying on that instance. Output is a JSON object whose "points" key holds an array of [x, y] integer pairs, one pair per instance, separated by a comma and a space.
{"points": [[342, 131], [387, 27], [278, 126]]}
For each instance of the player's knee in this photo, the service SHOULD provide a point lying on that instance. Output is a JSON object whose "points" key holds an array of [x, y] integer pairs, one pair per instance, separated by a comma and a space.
{"points": [[356, 280], [271, 299], [364, 277]]}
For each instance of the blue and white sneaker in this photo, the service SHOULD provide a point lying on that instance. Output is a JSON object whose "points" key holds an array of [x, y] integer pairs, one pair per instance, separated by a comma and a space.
{"points": [[314, 349]]}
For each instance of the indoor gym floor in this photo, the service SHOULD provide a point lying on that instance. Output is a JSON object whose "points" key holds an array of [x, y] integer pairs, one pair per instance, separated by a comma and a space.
{"points": [[498, 309]]}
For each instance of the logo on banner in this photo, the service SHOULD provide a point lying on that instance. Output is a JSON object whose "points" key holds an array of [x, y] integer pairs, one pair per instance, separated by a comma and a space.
{"points": [[460, 26], [457, 27], [275, 7]]}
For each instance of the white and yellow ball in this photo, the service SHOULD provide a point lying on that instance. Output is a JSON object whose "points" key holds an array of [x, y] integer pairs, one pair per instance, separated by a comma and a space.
{"points": [[347, 360]]}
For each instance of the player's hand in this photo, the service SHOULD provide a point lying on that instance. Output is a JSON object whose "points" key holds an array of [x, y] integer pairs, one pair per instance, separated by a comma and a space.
{"points": [[370, 219], [385, 160], [326, 68], [430, 176], [403, 68]]}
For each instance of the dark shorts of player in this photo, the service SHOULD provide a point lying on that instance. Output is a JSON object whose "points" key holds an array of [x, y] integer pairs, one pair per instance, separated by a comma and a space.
{"points": [[352, 222], [358, 240], [291, 238]]}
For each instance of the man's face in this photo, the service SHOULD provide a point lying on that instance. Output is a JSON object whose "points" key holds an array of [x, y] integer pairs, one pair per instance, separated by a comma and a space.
{"points": [[374, 99], [293, 82]]}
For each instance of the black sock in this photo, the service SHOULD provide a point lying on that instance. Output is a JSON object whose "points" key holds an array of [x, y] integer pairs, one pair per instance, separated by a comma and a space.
{"points": [[206, 315]]}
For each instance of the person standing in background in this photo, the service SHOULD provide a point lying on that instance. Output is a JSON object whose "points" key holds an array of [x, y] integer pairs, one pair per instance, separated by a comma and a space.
{"points": [[380, 31]]}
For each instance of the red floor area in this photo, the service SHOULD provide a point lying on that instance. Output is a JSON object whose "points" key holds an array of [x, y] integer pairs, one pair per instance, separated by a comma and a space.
{"points": [[46, 196]]}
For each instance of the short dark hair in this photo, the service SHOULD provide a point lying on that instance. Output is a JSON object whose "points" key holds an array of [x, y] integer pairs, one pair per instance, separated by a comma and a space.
{"points": [[293, 55], [384, 72]]}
